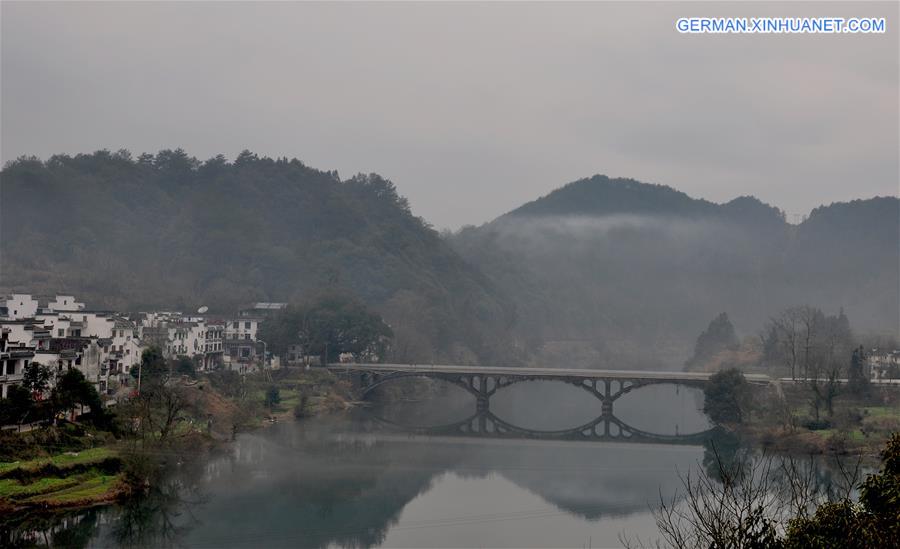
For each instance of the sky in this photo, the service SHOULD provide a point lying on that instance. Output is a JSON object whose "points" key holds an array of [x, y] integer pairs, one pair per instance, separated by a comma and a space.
{"points": [[471, 109]]}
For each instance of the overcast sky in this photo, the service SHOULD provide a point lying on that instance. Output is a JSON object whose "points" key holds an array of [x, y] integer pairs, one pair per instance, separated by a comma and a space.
{"points": [[471, 109]]}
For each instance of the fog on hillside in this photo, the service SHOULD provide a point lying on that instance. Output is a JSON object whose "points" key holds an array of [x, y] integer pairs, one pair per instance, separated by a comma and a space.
{"points": [[634, 290]]}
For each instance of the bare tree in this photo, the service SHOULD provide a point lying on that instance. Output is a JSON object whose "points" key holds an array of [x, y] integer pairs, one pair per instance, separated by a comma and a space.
{"points": [[819, 346], [785, 329], [745, 505], [156, 410], [828, 359]]}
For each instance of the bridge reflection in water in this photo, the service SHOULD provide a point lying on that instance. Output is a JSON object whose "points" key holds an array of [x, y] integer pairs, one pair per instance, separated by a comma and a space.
{"points": [[483, 383]]}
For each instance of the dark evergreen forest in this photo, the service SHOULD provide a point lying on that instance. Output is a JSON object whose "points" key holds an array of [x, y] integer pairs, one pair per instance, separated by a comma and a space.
{"points": [[601, 272]]}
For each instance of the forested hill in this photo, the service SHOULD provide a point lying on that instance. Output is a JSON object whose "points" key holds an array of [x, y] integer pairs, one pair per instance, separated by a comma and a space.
{"points": [[167, 230], [601, 272], [600, 195], [621, 273]]}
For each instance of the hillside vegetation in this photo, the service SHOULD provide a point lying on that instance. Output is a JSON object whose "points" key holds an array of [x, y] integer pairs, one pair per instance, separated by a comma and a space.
{"points": [[618, 273], [167, 230], [599, 273]]}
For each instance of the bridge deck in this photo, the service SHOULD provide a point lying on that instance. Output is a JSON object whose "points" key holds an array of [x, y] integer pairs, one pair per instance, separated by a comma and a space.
{"points": [[426, 369]]}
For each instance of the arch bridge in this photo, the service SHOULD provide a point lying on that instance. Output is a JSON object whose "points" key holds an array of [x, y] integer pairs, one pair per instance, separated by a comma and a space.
{"points": [[484, 381]]}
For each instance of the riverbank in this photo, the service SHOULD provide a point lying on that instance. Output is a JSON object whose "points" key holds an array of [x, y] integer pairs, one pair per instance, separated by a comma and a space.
{"points": [[859, 425], [72, 466], [302, 393], [75, 478]]}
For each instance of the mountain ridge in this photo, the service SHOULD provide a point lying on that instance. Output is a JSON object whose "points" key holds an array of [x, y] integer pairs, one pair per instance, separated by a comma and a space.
{"points": [[632, 270], [167, 230], [628, 267]]}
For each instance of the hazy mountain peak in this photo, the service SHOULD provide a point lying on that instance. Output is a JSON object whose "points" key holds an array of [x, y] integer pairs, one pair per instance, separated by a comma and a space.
{"points": [[602, 195], [750, 208]]}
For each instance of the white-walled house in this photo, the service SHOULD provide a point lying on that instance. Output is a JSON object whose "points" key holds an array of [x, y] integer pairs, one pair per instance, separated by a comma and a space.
{"points": [[90, 323], [883, 364], [243, 348], [125, 343], [63, 335], [58, 361], [21, 306], [213, 343], [20, 331], [65, 303], [245, 328], [203, 342], [262, 310], [103, 345], [92, 356], [14, 358], [195, 337], [28, 306]]}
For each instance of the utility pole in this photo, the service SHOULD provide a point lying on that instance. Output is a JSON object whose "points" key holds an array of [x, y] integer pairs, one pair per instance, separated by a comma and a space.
{"points": [[140, 369], [265, 352]]}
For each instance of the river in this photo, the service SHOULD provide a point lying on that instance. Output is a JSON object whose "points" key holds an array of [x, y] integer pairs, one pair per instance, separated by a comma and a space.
{"points": [[347, 481]]}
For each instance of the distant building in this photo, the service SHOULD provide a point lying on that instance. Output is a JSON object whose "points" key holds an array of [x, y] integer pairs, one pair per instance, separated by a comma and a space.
{"points": [[65, 303], [105, 346], [262, 309], [21, 306], [296, 355], [14, 358], [883, 364], [27, 306], [243, 348], [195, 337], [243, 327], [64, 334], [90, 355]]}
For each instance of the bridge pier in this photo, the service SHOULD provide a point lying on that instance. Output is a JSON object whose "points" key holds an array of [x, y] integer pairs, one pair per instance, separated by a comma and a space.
{"points": [[482, 404], [606, 407], [606, 403], [482, 400]]}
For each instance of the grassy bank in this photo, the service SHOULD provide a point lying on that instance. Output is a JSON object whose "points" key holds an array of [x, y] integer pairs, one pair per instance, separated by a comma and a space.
{"points": [[300, 393], [69, 479], [73, 465], [858, 424]]}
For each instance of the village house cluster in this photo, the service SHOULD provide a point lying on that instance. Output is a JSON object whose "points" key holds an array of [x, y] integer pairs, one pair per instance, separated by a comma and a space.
{"points": [[62, 333], [883, 364]]}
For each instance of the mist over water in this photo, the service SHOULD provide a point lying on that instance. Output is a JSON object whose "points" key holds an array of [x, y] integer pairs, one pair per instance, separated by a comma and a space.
{"points": [[350, 481], [674, 410], [358, 481]]}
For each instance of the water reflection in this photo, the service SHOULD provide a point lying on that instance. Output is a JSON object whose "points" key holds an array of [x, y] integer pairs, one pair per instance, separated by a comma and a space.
{"points": [[163, 516], [345, 482], [160, 518], [551, 410]]}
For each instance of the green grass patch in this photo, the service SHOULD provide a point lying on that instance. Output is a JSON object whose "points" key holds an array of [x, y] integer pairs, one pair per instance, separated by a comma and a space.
{"points": [[882, 411], [12, 489], [61, 460], [95, 488], [854, 435], [288, 402], [87, 486]]}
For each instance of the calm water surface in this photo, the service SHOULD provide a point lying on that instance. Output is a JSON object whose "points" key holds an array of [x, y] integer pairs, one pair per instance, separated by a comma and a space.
{"points": [[348, 482]]}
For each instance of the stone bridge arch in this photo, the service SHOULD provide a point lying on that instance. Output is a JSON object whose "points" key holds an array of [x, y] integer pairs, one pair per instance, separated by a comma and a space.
{"points": [[485, 424], [484, 386], [483, 383]]}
